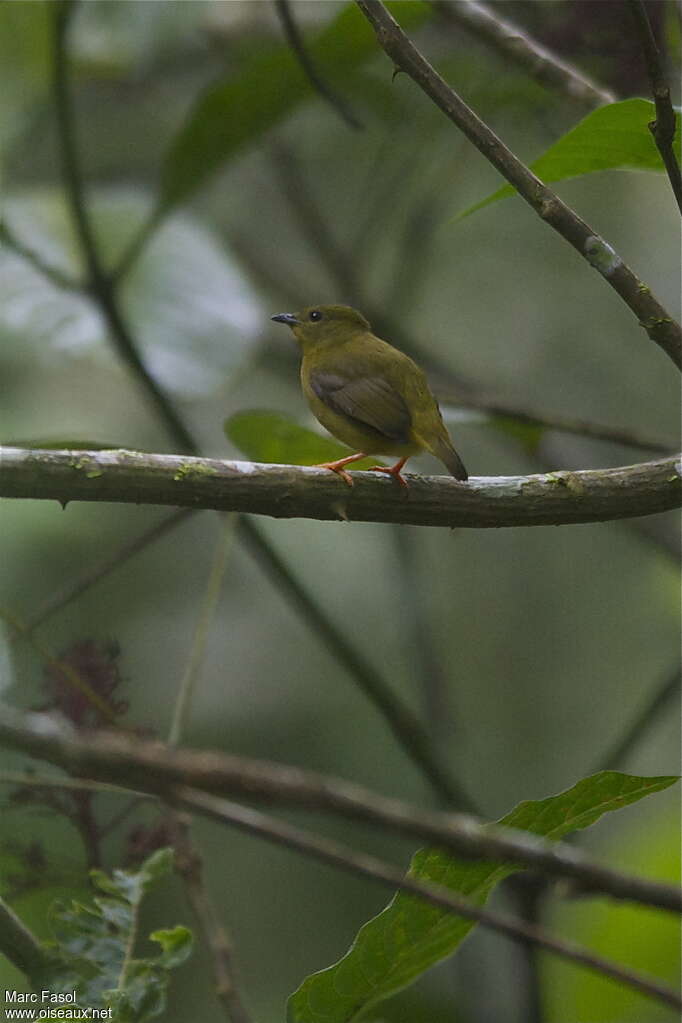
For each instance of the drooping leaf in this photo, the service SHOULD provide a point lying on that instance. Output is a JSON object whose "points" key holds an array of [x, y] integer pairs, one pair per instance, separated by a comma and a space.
{"points": [[93, 945], [409, 936], [237, 110], [272, 437], [612, 137]]}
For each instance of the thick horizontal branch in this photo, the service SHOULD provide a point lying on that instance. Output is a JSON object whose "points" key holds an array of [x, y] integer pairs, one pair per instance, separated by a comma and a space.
{"points": [[291, 491], [655, 319], [151, 767]]}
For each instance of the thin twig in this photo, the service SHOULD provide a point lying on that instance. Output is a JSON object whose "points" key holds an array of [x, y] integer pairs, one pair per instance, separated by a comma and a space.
{"points": [[20, 946], [435, 680], [61, 280], [75, 587], [659, 698], [98, 282], [364, 865], [554, 421], [657, 322], [157, 769], [298, 48], [313, 225], [206, 612], [405, 726], [514, 42], [188, 864], [664, 127]]}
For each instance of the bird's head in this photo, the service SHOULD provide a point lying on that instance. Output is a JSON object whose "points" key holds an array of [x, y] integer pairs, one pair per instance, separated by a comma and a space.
{"points": [[328, 324]]}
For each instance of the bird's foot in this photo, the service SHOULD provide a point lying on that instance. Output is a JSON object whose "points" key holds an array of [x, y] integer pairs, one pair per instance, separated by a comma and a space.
{"points": [[394, 471], [338, 466]]}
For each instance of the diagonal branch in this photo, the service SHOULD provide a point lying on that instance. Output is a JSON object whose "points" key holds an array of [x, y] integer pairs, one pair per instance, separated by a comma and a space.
{"points": [[664, 127], [290, 491], [406, 727], [151, 767], [298, 48], [657, 322], [364, 865], [99, 284], [514, 42]]}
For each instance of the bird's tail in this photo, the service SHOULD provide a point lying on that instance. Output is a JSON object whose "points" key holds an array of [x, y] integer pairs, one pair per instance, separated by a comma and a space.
{"points": [[443, 449]]}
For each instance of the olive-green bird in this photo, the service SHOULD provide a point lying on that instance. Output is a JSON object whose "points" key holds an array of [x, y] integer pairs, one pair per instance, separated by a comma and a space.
{"points": [[366, 393]]}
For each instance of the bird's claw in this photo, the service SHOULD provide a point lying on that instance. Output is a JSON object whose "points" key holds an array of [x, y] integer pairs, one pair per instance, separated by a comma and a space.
{"points": [[392, 470], [339, 470]]}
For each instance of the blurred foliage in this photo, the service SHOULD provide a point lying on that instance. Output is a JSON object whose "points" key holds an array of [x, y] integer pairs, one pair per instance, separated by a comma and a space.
{"points": [[529, 652], [94, 943], [613, 137]]}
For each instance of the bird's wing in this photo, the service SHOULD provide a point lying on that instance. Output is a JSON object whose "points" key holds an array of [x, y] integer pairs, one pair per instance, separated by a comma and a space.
{"points": [[370, 400]]}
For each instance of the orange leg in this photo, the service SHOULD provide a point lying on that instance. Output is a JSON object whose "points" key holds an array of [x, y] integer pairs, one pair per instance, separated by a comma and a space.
{"points": [[338, 466], [393, 470]]}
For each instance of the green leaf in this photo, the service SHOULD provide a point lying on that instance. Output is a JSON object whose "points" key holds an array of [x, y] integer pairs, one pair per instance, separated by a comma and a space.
{"points": [[613, 137], [94, 942], [236, 111], [271, 437], [409, 936], [176, 945]]}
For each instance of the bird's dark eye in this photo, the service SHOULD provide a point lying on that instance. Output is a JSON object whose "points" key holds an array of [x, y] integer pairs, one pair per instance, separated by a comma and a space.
{"points": [[315, 315]]}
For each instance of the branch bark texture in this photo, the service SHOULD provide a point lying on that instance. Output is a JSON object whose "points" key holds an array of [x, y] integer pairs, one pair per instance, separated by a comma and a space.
{"points": [[289, 491], [151, 767], [657, 322], [515, 43]]}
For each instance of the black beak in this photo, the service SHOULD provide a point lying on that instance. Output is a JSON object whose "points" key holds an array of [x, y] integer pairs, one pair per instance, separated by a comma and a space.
{"points": [[288, 318]]}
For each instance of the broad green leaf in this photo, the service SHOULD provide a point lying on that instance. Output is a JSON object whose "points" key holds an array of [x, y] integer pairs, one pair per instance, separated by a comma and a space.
{"points": [[93, 944], [236, 111], [272, 437], [409, 936], [613, 137], [645, 939]]}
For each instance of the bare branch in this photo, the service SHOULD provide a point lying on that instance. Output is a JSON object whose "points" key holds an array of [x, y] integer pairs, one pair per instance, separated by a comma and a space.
{"points": [[403, 723], [189, 866], [364, 865], [514, 42], [657, 322], [664, 127], [156, 769], [289, 491], [295, 40]]}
